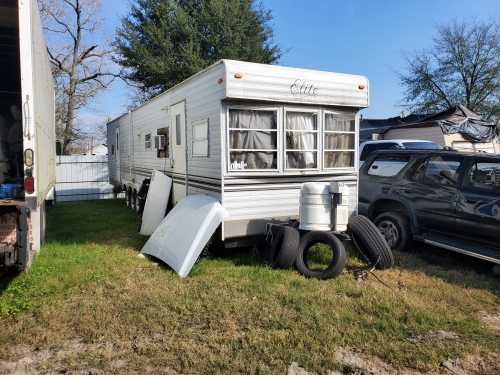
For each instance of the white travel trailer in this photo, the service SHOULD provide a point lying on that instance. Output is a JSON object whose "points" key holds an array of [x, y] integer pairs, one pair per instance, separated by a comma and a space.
{"points": [[249, 134], [27, 132]]}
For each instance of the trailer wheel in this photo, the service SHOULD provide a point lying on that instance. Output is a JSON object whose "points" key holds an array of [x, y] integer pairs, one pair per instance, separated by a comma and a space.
{"points": [[284, 246], [135, 205], [370, 242], [337, 262], [128, 197]]}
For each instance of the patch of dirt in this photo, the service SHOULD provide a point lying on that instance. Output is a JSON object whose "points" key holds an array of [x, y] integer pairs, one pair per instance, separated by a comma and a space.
{"points": [[361, 364], [474, 365], [355, 363], [491, 321], [26, 360], [439, 335]]}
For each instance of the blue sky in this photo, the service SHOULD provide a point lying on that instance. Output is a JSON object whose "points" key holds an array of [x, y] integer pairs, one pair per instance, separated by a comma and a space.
{"points": [[368, 37]]}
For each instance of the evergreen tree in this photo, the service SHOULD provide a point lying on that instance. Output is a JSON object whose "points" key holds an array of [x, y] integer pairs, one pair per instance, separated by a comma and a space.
{"points": [[162, 42]]}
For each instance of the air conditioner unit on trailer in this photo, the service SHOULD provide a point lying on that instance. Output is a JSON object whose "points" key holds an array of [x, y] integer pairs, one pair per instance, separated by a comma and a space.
{"points": [[160, 142]]}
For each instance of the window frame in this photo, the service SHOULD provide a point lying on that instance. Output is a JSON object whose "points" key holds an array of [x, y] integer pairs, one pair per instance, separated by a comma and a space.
{"points": [[195, 123], [355, 151], [146, 147], [469, 184], [389, 156], [318, 132], [279, 118], [421, 179]]}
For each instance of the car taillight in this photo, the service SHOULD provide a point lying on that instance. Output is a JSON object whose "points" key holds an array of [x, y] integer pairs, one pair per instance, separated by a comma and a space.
{"points": [[29, 185]]}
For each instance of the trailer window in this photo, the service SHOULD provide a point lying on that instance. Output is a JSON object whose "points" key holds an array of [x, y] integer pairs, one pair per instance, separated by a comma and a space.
{"points": [[339, 141], [301, 147], [200, 138], [253, 136], [178, 129], [147, 141]]}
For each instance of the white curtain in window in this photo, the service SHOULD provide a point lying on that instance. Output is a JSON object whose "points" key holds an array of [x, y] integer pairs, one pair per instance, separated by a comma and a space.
{"points": [[337, 159], [253, 139], [336, 141], [301, 140]]}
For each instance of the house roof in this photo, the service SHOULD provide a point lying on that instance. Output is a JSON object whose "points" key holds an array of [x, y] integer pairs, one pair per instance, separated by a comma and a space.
{"points": [[367, 127], [457, 119], [455, 114]]}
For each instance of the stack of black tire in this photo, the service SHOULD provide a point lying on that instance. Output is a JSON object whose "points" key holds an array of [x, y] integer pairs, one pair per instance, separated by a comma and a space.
{"points": [[286, 247]]}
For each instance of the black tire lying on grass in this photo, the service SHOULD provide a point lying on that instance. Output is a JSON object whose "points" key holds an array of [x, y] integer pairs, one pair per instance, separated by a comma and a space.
{"points": [[371, 242], [284, 246], [337, 263]]}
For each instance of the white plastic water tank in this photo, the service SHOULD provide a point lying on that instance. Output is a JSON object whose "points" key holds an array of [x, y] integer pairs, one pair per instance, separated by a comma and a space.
{"points": [[315, 206]]}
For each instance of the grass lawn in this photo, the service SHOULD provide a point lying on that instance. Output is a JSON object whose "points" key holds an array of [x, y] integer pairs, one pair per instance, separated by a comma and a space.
{"points": [[89, 302]]}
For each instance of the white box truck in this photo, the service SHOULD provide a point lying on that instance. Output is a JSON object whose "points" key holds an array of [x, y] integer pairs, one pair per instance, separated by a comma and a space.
{"points": [[27, 132]]}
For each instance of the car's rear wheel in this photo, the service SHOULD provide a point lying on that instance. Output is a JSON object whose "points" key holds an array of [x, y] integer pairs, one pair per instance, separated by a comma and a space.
{"points": [[395, 229]]}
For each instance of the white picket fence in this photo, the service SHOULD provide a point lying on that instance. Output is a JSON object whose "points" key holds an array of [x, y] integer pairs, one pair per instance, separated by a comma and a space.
{"points": [[83, 177]]}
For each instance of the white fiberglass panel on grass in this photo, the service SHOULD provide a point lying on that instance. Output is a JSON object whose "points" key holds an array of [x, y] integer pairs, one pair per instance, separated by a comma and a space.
{"points": [[182, 235], [156, 203]]}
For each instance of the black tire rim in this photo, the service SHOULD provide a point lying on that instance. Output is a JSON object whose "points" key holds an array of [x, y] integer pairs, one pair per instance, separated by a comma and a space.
{"points": [[390, 231]]}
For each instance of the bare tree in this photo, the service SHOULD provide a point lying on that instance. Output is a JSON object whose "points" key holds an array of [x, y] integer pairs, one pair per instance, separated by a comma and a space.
{"points": [[463, 67], [81, 67]]}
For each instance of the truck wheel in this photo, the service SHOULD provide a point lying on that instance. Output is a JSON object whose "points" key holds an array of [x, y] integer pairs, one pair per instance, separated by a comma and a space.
{"points": [[284, 246], [370, 242], [395, 229], [337, 262]]}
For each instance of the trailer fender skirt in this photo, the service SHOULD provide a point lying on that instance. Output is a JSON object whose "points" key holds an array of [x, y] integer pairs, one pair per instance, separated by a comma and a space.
{"points": [[181, 236], [156, 202]]}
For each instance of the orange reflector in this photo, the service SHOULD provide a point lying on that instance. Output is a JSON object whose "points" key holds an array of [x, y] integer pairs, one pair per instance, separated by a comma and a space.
{"points": [[29, 185]]}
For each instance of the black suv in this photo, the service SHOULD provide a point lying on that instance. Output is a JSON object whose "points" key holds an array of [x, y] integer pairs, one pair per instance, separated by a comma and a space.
{"points": [[443, 198]]}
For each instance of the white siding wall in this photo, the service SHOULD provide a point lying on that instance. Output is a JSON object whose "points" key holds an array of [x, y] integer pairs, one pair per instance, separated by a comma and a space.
{"points": [[279, 199], [202, 98], [203, 101]]}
